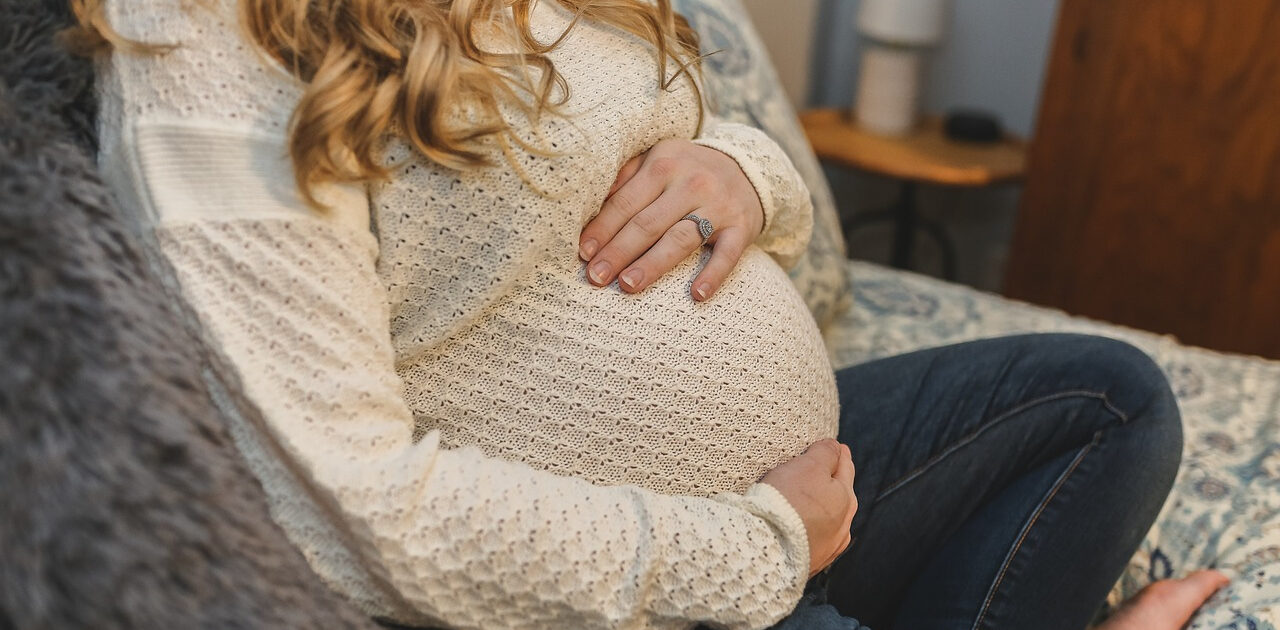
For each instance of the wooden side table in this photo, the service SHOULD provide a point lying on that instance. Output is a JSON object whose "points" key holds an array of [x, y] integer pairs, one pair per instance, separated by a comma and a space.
{"points": [[925, 156]]}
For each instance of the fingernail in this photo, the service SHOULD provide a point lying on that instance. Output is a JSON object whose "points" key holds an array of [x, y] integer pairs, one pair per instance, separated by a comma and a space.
{"points": [[588, 249], [702, 290], [599, 272], [632, 278]]}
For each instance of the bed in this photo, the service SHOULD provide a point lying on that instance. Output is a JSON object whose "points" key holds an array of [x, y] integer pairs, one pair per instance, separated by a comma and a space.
{"points": [[1224, 510]]}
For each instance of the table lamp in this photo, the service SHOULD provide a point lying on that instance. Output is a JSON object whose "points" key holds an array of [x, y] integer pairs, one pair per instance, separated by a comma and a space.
{"points": [[898, 36]]}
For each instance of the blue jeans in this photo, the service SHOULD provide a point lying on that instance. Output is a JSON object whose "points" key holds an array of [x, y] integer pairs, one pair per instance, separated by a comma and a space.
{"points": [[1003, 484]]}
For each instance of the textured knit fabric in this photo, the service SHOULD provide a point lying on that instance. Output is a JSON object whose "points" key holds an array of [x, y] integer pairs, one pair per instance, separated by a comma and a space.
{"points": [[459, 429]]}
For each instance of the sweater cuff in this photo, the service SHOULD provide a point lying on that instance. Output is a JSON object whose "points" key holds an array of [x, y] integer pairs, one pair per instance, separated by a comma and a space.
{"points": [[755, 175], [784, 197], [765, 502]]}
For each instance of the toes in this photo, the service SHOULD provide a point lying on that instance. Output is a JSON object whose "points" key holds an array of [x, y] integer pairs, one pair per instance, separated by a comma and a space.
{"points": [[1175, 601], [1204, 584]]}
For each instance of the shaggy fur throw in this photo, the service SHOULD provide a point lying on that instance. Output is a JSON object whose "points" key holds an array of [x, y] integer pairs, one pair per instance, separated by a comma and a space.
{"points": [[123, 502]]}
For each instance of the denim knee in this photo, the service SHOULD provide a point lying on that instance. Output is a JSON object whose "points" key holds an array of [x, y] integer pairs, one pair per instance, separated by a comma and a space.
{"points": [[1138, 388]]}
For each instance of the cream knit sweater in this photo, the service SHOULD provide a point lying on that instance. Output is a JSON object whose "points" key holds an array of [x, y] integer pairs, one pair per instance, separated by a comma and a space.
{"points": [[461, 430]]}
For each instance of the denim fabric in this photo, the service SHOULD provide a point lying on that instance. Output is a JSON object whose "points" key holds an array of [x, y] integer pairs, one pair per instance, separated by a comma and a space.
{"points": [[815, 613], [1003, 484]]}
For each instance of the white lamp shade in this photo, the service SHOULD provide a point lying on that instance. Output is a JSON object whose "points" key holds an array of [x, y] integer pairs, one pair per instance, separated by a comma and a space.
{"points": [[904, 22]]}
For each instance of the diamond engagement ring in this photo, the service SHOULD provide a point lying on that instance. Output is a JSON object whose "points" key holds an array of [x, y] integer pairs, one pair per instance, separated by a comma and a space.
{"points": [[705, 228]]}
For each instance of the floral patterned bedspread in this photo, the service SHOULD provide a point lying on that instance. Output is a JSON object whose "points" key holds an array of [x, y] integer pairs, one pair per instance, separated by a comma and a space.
{"points": [[1224, 511]]}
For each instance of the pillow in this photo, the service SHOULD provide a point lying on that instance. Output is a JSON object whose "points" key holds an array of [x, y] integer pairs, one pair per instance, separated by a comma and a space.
{"points": [[743, 87], [125, 503]]}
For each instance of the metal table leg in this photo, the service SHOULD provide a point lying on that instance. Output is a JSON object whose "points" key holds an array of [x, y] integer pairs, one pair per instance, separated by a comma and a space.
{"points": [[904, 227], [906, 219]]}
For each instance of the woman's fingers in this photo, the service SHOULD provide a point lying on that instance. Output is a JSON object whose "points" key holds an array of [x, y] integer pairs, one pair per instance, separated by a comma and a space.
{"points": [[808, 482], [844, 475], [844, 468], [631, 194], [674, 246], [625, 173], [843, 535], [727, 251], [641, 232], [642, 217], [825, 454], [853, 509]]}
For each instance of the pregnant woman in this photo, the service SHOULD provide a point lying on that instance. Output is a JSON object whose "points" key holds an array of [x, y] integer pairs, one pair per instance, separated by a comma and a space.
{"points": [[451, 247]]}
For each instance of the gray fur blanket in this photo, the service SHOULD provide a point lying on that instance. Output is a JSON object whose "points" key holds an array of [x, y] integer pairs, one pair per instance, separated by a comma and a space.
{"points": [[123, 503]]}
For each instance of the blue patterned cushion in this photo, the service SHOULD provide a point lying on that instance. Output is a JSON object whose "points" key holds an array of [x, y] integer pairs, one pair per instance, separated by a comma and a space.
{"points": [[742, 87], [1224, 511]]}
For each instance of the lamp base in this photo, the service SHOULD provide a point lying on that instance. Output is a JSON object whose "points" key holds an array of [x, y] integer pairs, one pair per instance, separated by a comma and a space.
{"points": [[888, 99]]}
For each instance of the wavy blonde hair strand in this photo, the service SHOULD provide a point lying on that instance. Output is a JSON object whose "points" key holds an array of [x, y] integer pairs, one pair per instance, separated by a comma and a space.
{"points": [[377, 67]]}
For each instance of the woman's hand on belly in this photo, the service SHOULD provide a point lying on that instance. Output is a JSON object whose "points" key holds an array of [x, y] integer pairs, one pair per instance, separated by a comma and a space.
{"points": [[819, 486], [640, 233]]}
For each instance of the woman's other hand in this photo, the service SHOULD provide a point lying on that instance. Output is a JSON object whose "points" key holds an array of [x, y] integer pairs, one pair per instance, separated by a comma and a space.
{"points": [[640, 234], [1167, 604], [819, 485]]}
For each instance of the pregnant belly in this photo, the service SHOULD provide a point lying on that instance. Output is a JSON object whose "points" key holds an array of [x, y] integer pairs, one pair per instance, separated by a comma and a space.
{"points": [[653, 389]]}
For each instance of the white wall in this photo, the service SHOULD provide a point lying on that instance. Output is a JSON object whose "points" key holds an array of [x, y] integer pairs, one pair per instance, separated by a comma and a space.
{"points": [[993, 58], [787, 27]]}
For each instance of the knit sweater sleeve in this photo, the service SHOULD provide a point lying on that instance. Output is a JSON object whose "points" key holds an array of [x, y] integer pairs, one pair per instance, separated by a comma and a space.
{"points": [[788, 208], [290, 295]]}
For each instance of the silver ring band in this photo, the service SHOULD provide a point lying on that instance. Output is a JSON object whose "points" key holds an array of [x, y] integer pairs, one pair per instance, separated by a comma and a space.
{"points": [[705, 228]]}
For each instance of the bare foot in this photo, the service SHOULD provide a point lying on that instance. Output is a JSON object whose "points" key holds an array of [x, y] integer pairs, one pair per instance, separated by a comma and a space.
{"points": [[1167, 604]]}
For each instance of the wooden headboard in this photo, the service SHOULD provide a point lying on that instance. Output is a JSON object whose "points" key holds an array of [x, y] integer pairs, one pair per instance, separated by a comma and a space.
{"points": [[1153, 198]]}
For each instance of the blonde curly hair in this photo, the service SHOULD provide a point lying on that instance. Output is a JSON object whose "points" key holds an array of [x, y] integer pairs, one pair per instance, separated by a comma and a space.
{"points": [[374, 67]]}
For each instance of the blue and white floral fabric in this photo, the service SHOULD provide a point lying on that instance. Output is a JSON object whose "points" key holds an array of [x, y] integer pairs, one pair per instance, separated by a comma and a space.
{"points": [[1224, 511]]}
